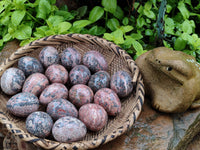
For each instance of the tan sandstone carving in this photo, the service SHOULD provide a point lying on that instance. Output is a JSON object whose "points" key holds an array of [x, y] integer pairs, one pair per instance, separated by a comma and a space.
{"points": [[171, 79]]}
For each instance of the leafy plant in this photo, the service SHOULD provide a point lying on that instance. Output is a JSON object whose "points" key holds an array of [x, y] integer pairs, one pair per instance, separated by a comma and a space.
{"points": [[136, 29]]}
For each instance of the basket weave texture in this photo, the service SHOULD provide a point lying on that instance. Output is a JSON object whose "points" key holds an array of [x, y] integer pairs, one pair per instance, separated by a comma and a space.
{"points": [[116, 58]]}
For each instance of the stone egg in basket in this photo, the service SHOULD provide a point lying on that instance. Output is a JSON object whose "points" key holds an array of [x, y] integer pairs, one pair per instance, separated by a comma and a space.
{"points": [[116, 58]]}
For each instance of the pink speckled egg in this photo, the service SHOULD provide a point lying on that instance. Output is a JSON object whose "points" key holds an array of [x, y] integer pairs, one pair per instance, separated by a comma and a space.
{"points": [[12, 81], [53, 91], [48, 56], [30, 65], [80, 94], [100, 79], [109, 100], [23, 104], [93, 116], [60, 108], [35, 83], [57, 74], [121, 83], [80, 74], [95, 61], [69, 129], [70, 57], [39, 124]]}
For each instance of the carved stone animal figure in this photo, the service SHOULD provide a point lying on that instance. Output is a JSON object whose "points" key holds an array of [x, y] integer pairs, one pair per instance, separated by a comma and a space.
{"points": [[171, 79]]}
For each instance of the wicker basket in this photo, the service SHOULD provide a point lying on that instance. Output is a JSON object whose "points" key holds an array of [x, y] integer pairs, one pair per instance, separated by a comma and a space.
{"points": [[117, 59]]}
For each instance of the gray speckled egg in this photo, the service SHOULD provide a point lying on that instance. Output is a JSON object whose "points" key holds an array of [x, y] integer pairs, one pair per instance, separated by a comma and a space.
{"points": [[80, 74], [70, 57], [80, 94], [60, 108], [57, 74], [48, 56], [93, 116], [69, 129], [53, 91], [109, 100], [100, 79], [22, 104], [39, 124], [12, 81], [95, 61], [30, 65], [35, 83], [121, 83]]}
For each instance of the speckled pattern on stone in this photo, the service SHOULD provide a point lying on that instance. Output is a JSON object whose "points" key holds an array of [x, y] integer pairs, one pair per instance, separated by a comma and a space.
{"points": [[12, 81], [109, 100], [60, 108], [95, 61], [100, 79], [80, 74], [94, 116], [39, 124], [80, 94], [121, 83], [70, 57], [69, 129], [53, 91]]}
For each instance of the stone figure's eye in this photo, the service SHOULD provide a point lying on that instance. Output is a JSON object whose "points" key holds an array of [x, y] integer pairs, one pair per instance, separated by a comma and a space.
{"points": [[158, 61], [169, 68]]}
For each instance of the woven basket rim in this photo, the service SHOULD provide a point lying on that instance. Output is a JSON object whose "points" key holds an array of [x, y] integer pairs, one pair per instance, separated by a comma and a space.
{"points": [[56, 40]]}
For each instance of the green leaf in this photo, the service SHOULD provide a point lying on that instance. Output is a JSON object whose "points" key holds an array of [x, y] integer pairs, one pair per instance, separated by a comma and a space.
{"points": [[188, 2], [138, 47], [81, 23], [184, 11], [17, 17], [52, 1], [19, 4], [169, 8], [140, 22], [126, 28], [169, 26], [109, 5], [1, 43], [4, 5], [148, 32], [40, 31], [108, 36], [97, 30], [125, 21], [119, 14], [65, 14], [113, 24], [44, 8], [148, 5], [63, 27], [166, 44], [82, 11], [54, 20], [150, 14], [50, 32], [179, 44], [137, 36], [96, 13], [27, 41], [23, 32], [7, 37], [187, 27], [118, 37], [5, 20]]}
